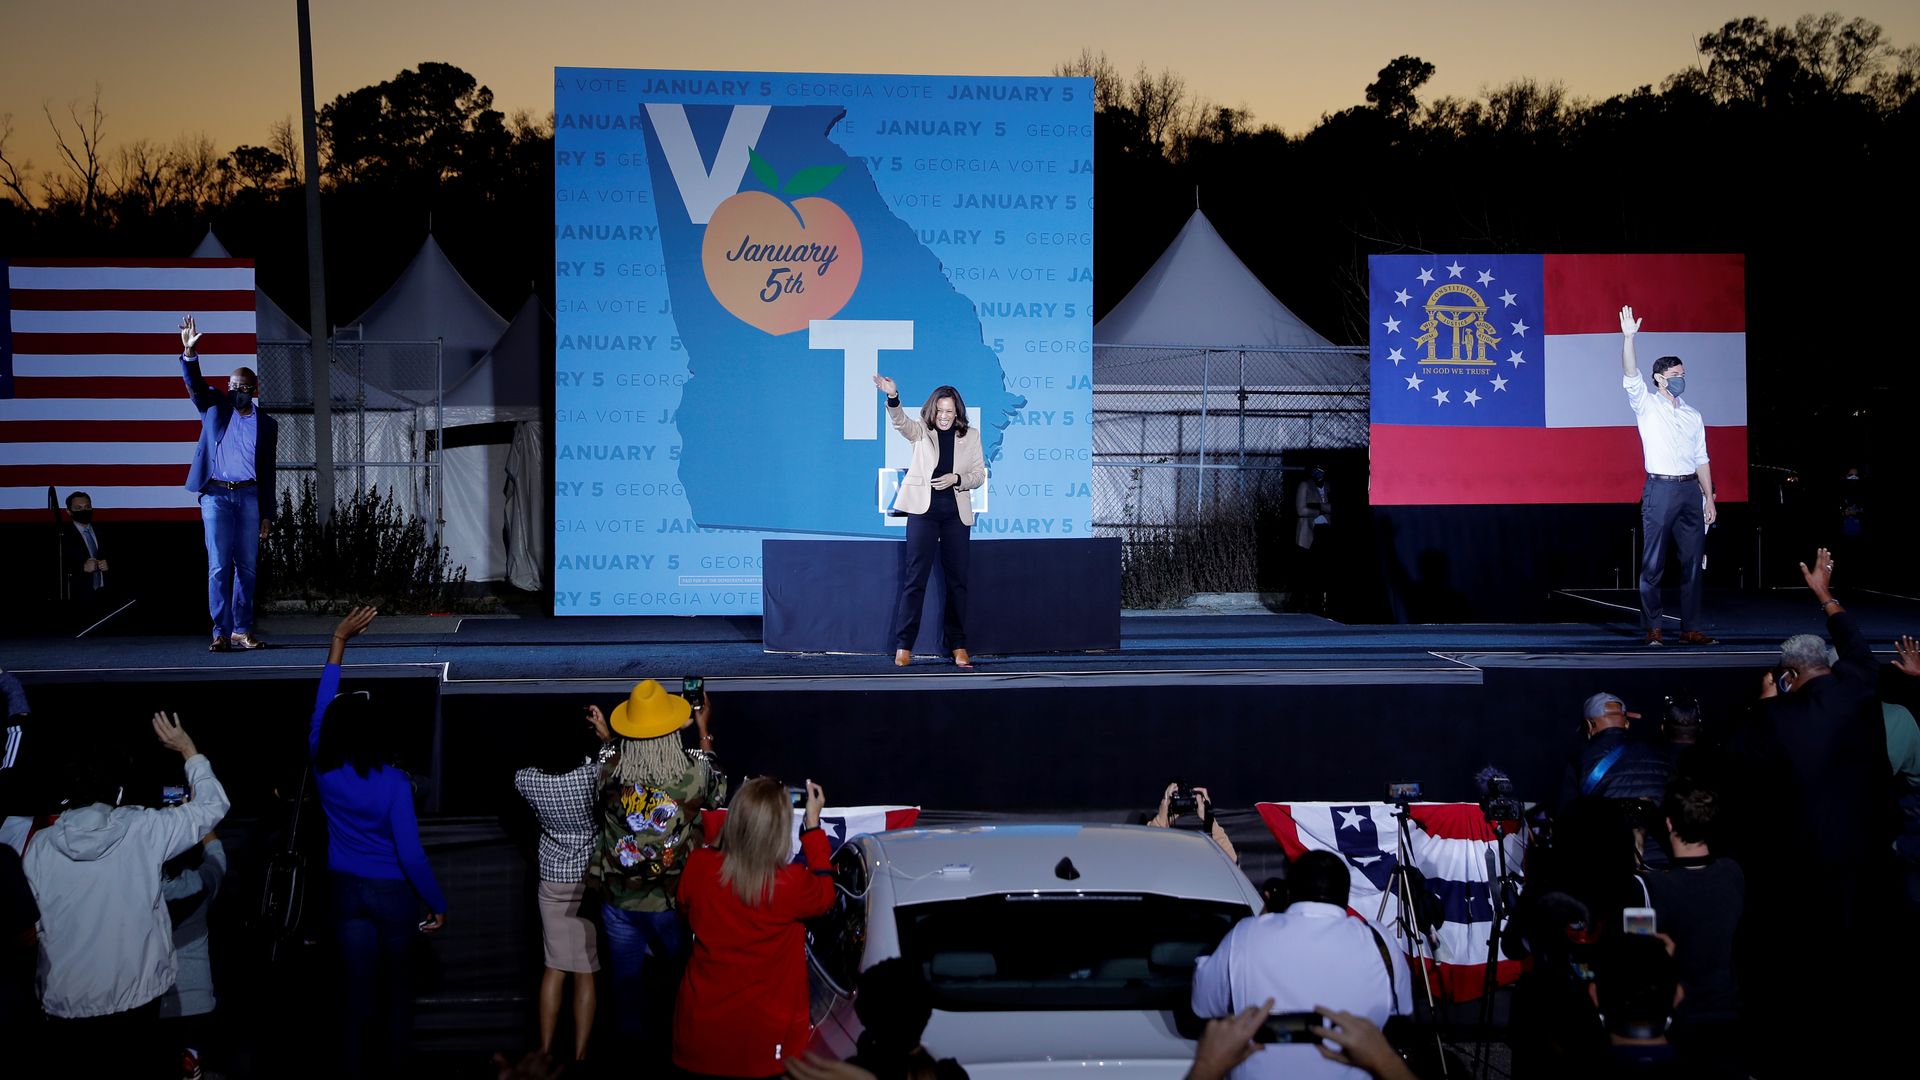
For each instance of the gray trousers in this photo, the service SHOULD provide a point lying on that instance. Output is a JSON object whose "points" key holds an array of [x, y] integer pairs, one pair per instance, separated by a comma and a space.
{"points": [[1671, 520]]}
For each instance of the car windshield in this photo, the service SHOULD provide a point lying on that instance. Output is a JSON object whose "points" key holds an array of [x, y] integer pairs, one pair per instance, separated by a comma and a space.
{"points": [[1023, 951]]}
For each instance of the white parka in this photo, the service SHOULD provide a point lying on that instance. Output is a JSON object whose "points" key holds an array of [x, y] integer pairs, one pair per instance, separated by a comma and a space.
{"points": [[106, 942]]}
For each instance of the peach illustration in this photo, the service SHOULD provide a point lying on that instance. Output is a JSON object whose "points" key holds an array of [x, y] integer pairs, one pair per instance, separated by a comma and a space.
{"points": [[777, 264]]}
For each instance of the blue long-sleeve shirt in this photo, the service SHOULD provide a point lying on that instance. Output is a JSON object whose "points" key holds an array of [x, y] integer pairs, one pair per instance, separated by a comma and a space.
{"points": [[370, 824]]}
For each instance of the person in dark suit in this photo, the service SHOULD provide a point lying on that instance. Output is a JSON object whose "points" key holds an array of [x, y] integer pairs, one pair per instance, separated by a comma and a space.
{"points": [[233, 475], [947, 463], [83, 553], [1813, 802]]}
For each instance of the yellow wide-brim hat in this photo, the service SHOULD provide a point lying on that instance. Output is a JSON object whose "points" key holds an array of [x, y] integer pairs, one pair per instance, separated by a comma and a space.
{"points": [[650, 712]]}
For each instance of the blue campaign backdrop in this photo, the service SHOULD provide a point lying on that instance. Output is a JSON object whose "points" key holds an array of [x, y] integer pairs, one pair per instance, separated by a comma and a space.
{"points": [[738, 253]]}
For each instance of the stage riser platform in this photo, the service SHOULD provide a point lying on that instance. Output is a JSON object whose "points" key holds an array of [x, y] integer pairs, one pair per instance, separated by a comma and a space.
{"points": [[1003, 745]]}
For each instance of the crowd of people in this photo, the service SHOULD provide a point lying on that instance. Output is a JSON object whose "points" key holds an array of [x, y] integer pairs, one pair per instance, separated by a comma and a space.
{"points": [[1730, 861], [1702, 873]]}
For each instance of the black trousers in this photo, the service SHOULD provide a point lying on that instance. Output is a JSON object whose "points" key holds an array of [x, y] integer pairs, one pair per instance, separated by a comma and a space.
{"points": [[1671, 520], [940, 531]]}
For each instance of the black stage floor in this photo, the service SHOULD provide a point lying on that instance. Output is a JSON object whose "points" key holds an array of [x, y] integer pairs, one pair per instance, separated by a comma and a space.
{"points": [[1267, 705], [493, 655]]}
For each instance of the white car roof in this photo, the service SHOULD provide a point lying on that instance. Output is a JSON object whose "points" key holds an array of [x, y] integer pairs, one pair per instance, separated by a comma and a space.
{"points": [[918, 864]]}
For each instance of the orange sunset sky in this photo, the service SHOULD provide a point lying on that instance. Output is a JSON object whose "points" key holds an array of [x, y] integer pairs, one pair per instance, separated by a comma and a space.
{"points": [[229, 68]]}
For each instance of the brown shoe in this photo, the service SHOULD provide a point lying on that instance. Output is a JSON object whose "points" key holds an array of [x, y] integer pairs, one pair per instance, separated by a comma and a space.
{"points": [[246, 641], [902, 657], [962, 660], [219, 645], [1653, 637], [1695, 637]]}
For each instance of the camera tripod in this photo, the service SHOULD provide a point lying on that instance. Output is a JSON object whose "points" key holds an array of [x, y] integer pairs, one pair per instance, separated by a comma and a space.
{"points": [[1502, 884], [1406, 922]]}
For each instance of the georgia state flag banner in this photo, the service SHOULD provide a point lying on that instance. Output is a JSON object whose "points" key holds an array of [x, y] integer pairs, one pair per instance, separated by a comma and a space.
{"points": [[1497, 378], [1450, 843]]}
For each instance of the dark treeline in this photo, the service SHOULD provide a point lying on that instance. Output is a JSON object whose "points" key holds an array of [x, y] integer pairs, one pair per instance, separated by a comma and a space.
{"points": [[1796, 144], [1793, 143], [426, 147]]}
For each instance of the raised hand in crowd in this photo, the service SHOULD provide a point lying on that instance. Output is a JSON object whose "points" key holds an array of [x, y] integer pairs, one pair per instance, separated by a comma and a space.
{"points": [[816, 801], [598, 720], [1819, 577], [702, 714], [172, 735], [1362, 1045], [1227, 1042], [355, 624], [1906, 655]]}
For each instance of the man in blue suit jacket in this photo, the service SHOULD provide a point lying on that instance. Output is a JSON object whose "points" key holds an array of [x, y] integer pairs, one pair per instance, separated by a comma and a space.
{"points": [[233, 475]]}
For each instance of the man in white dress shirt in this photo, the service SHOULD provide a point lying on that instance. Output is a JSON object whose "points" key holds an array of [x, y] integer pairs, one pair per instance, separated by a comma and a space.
{"points": [[1313, 954], [1676, 505]]}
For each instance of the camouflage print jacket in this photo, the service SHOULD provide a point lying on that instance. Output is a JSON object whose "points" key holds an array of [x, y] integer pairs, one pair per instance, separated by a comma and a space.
{"points": [[646, 833]]}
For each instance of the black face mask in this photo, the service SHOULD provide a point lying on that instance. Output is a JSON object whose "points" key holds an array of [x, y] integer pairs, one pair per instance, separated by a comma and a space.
{"points": [[1318, 476], [83, 517], [242, 400]]}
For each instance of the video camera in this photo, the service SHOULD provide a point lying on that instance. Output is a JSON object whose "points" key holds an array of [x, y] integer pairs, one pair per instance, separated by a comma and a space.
{"points": [[1497, 800]]}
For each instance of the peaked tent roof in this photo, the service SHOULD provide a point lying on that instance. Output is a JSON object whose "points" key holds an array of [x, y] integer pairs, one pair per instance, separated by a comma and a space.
{"points": [[1199, 293], [270, 323], [505, 384], [431, 300]]}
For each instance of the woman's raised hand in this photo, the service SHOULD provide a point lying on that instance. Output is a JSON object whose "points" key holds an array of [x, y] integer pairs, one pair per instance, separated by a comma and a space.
{"points": [[355, 623], [886, 386], [816, 800]]}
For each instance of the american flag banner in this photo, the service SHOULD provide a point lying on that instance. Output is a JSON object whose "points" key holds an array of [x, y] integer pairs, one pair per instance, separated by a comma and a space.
{"points": [[90, 391], [1497, 378], [840, 822], [1449, 843]]}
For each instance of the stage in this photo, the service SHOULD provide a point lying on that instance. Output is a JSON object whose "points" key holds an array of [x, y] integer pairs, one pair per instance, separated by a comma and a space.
{"points": [[1255, 705]]}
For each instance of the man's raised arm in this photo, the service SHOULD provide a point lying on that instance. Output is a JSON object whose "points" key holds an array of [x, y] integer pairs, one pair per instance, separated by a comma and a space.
{"points": [[204, 396], [1629, 326]]}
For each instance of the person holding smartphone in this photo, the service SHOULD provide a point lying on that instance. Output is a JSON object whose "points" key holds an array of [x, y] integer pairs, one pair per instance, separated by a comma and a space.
{"points": [[743, 1005], [947, 462], [1313, 958]]}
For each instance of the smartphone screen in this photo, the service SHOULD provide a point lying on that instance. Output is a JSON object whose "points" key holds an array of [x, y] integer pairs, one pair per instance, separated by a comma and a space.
{"points": [[692, 687], [1639, 920], [1289, 1027]]}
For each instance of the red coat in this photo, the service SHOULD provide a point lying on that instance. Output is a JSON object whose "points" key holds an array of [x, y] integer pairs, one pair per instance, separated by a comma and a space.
{"points": [[742, 1009]]}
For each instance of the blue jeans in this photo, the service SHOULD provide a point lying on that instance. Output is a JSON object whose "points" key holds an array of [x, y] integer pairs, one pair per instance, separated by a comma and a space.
{"points": [[232, 523], [374, 921], [631, 937]]}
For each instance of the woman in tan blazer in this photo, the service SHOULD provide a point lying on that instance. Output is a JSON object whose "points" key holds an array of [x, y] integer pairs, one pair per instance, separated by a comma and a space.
{"points": [[947, 463]]}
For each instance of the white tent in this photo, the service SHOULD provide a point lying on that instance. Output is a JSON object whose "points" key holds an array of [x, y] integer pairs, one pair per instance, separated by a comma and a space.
{"points": [[430, 301], [492, 460], [1200, 363], [270, 323]]}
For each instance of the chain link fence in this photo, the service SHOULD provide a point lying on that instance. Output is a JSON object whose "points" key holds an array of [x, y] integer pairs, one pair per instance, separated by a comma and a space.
{"points": [[1170, 423], [386, 412], [1195, 452]]}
